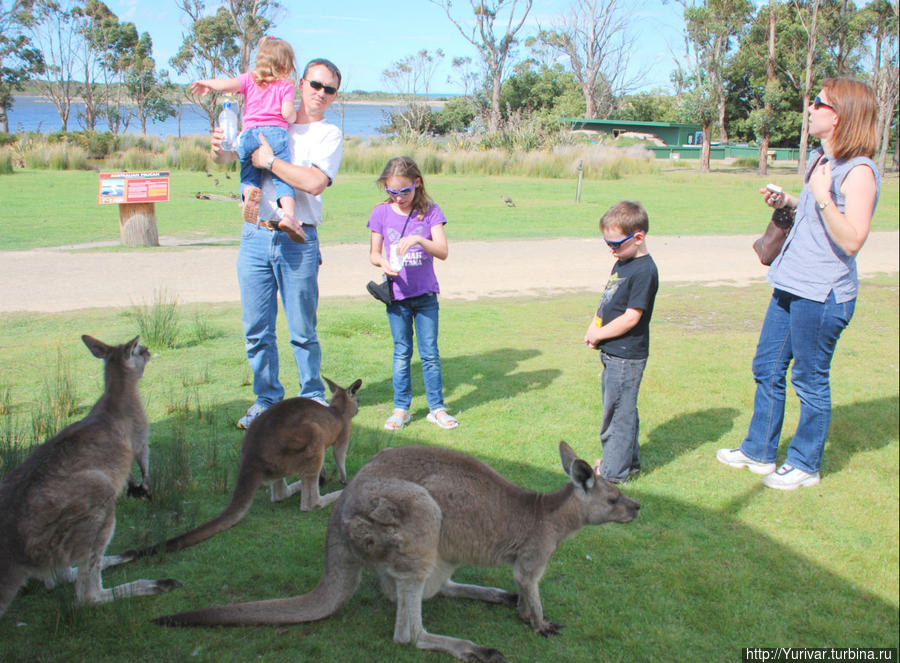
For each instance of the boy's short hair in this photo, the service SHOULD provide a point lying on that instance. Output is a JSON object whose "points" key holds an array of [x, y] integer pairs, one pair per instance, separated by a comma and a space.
{"points": [[627, 216]]}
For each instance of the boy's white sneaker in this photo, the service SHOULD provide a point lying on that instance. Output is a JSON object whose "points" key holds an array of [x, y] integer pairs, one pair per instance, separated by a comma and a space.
{"points": [[737, 458], [789, 477]]}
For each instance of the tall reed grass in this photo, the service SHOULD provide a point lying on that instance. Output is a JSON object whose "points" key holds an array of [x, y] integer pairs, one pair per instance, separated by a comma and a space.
{"points": [[6, 161], [60, 156]]}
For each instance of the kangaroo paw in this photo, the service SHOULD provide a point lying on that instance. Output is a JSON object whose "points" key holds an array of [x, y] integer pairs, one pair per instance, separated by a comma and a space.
{"points": [[167, 584], [551, 628], [486, 655], [139, 491]]}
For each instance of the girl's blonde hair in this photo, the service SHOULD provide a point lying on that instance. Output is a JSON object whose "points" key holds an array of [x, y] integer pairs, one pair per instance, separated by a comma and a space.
{"points": [[406, 167], [274, 60], [854, 103]]}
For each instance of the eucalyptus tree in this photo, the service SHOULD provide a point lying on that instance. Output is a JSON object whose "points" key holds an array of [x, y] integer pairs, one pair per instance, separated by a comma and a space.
{"points": [[880, 21], [51, 28], [595, 38], [410, 77], [148, 89], [493, 33], [19, 61]]}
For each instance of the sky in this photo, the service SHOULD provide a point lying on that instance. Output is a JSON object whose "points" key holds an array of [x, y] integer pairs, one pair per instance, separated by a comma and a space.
{"points": [[364, 38]]}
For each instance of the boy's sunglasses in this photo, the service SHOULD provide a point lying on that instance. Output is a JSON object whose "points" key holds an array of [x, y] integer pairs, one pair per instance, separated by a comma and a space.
{"points": [[316, 85], [402, 193], [617, 244], [818, 103]]}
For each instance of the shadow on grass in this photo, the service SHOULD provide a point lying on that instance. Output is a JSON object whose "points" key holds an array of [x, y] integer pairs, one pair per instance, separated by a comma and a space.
{"points": [[682, 434], [480, 377]]}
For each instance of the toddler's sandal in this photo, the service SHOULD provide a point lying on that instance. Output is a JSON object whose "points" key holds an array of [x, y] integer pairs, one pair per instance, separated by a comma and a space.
{"points": [[443, 419]]}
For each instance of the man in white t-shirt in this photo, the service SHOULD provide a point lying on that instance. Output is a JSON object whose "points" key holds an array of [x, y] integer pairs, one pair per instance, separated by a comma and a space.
{"points": [[270, 259]]}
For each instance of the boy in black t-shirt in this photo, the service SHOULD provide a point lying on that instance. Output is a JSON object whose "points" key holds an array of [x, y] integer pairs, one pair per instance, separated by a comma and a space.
{"points": [[621, 331]]}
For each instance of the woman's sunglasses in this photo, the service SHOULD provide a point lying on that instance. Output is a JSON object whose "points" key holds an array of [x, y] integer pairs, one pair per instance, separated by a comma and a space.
{"points": [[402, 193], [316, 85], [818, 103]]}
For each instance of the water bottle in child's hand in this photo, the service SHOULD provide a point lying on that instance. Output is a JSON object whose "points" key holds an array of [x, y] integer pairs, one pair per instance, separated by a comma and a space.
{"points": [[228, 123]]}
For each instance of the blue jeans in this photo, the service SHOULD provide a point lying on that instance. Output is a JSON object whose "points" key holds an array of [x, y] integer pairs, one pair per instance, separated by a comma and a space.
{"points": [[621, 424], [268, 263], [421, 311], [247, 145], [806, 332]]}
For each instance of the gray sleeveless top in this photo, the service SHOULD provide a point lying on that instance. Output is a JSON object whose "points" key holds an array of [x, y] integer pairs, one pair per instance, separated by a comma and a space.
{"points": [[810, 265]]}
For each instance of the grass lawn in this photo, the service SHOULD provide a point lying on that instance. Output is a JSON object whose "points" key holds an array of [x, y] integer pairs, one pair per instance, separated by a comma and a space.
{"points": [[714, 563], [50, 208]]}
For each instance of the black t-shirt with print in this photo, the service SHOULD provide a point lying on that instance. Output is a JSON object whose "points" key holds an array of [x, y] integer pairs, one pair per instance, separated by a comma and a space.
{"points": [[632, 284]]}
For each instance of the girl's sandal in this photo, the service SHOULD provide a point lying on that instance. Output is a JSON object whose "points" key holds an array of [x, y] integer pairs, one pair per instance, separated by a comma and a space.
{"points": [[250, 210], [443, 419], [397, 420]]}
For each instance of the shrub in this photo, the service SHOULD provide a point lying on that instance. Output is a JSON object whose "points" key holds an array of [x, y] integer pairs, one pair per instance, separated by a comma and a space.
{"points": [[6, 161]]}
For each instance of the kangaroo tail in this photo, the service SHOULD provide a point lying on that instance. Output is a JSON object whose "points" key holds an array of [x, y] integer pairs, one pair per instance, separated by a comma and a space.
{"points": [[12, 577], [241, 501], [338, 583]]}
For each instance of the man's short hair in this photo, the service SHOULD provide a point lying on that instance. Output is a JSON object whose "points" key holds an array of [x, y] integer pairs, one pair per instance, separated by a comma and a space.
{"points": [[328, 64]]}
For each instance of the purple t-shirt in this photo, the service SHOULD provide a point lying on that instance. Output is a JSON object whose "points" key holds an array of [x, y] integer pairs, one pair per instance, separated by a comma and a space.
{"points": [[416, 276]]}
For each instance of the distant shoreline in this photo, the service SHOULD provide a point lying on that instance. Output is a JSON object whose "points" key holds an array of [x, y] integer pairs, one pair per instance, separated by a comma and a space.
{"points": [[385, 101]]}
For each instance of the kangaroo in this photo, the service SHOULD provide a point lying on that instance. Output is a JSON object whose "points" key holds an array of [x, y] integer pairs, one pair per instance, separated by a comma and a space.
{"points": [[413, 515], [289, 438], [59, 506]]}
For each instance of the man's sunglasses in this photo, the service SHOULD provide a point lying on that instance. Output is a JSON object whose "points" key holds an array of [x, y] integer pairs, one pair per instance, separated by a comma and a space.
{"points": [[402, 193], [618, 244], [316, 85], [818, 103]]}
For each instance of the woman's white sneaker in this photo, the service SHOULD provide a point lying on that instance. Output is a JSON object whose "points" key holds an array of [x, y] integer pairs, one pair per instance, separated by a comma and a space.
{"points": [[737, 458], [789, 477]]}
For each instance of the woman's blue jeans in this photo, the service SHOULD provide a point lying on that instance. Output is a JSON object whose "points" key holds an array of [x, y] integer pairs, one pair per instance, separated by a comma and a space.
{"points": [[268, 263], [403, 315], [806, 332]]}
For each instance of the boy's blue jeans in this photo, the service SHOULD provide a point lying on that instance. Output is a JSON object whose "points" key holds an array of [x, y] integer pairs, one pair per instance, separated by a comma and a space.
{"points": [[268, 263], [248, 142], [621, 424], [403, 315], [806, 332]]}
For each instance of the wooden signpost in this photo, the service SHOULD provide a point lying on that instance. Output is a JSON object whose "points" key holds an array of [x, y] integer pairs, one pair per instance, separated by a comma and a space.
{"points": [[136, 194]]}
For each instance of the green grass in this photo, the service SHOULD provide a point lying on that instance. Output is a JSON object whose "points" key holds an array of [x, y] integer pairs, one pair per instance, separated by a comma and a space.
{"points": [[60, 207], [714, 563]]}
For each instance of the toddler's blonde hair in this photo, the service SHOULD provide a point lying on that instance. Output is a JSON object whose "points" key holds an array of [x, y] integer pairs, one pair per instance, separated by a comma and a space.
{"points": [[274, 60]]}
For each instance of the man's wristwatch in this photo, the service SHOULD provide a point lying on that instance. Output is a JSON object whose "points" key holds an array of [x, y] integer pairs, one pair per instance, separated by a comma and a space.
{"points": [[822, 206], [270, 163]]}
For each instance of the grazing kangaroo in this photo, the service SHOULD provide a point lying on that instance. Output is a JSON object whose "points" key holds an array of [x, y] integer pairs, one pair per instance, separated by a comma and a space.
{"points": [[289, 438], [59, 506], [413, 515]]}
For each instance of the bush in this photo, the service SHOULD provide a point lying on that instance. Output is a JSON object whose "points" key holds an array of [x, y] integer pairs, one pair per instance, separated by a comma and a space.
{"points": [[6, 161]]}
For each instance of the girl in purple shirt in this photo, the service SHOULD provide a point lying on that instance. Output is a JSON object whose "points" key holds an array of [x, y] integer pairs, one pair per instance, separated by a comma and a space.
{"points": [[407, 235]]}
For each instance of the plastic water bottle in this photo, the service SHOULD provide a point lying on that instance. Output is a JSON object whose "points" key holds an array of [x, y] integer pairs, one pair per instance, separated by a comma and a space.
{"points": [[228, 123]]}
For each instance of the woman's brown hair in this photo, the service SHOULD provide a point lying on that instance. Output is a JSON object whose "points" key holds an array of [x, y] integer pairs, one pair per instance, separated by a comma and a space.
{"points": [[274, 60], [406, 167], [854, 103]]}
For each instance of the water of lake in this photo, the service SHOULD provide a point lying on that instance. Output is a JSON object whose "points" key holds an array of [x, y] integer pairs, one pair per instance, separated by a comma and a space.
{"points": [[30, 114]]}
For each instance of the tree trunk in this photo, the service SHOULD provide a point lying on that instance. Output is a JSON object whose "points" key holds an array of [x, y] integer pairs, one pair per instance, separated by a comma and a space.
{"points": [[590, 109], [4, 121], [807, 84], [704, 151], [494, 120], [770, 78], [137, 224]]}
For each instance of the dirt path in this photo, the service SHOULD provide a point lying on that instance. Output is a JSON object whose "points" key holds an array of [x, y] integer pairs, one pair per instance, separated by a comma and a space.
{"points": [[62, 279]]}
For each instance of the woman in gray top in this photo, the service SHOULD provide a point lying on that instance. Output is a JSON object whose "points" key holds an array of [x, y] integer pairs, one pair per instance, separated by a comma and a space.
{"points": [[816, 283]]}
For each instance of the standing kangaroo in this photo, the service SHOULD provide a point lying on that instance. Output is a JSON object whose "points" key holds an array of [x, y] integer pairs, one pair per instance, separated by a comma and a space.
{"points": [[289, 438], [59, 506], [413, 515]]}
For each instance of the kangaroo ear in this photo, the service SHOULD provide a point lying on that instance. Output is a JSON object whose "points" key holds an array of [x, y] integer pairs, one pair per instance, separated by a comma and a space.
{"points": [[97, 347], [582, 475], [353, 388], [133, 347], [567, 456], [331, 385]]}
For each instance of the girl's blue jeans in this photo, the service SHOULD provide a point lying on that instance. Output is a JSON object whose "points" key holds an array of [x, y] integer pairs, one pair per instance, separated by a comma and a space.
{"points": [[806, 332], [248, 142], [420, 313]]}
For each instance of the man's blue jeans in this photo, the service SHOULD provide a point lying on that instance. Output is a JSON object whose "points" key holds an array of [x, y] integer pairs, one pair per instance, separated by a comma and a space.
{"points": [[421, 312], [621, 424], [806, 332], [268, 263]]}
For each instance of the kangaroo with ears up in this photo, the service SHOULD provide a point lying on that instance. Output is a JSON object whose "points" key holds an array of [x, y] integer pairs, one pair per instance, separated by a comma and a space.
{"points": [[58, 508], [289, 438], [413, 515]]}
